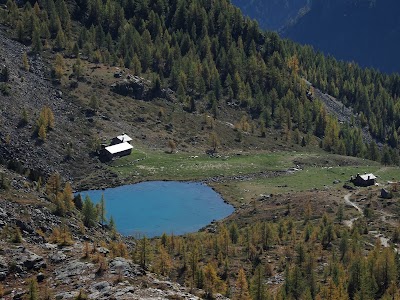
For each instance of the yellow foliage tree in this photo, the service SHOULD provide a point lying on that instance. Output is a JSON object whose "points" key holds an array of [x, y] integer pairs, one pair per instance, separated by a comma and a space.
{"points": [[212, 282], [67, 197], [42, 133], [44, 122], [164, 261], [25, 62], [53, 185], [242, 287], [58, 66]]}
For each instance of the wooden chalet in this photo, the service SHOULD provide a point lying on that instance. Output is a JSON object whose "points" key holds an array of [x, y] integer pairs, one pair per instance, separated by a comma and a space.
{"points": [[123, 138], [120, 146], [364, 180]]}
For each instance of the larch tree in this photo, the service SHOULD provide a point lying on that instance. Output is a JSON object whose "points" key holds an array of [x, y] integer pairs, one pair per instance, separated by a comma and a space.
{"points": [[102, 210], [212, 282], [25, 62], [36, 41], [67, 197], [42, 133], [171, 146], [33, 293], [53, 185], [242, 288], [257, 285], [144, 253], [214, 141], [163, 262]]}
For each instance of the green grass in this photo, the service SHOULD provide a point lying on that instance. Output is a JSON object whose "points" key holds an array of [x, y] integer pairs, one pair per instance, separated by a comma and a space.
{"points": [[152, 165], [308, 179], [320, 169]]}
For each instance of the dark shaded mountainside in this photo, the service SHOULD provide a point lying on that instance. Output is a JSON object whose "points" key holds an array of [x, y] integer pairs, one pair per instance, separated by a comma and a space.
{"points": [[273, 14], [367, 32]]}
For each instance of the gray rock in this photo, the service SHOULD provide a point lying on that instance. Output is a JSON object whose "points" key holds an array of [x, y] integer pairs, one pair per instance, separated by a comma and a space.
{"points": [[102, 250], [19, 295], [101, 286], [25, 226], [58, 257], [49, 246], [72, 268], [126, 267], [3, 276], [3, 214], [3, 264], [32, 261], [66, 295], [134, 87]]}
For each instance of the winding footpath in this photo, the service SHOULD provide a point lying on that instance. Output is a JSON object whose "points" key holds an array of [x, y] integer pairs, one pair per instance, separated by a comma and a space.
{"points": [[347, 201], [384, 240]]}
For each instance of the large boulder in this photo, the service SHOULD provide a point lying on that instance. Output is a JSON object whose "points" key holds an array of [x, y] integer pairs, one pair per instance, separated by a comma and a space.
{"points": [[120, 265], [58, 257], [73, 268], [32, 261], [139, 88], [133, 86], [24, 226]]}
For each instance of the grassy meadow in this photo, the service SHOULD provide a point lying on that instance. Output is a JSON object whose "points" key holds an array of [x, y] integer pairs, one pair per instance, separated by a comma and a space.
{"points": [[304, 171]]}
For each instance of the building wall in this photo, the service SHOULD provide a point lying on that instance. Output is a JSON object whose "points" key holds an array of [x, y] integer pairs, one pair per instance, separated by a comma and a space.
{"points": [[123, 153], [115, 141], [361, 182]]}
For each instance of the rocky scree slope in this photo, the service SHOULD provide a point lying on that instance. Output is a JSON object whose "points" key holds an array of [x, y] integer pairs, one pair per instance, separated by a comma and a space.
{"points": [[31, 91], [62, 270]]}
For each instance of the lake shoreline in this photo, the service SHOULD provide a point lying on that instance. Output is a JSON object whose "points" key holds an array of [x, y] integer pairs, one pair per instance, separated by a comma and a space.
{"points": [[175, 207]]}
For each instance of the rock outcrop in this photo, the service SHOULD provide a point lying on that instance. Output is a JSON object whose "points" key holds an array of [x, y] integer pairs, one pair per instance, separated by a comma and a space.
{"points": [[139, 88], [82, 265]]}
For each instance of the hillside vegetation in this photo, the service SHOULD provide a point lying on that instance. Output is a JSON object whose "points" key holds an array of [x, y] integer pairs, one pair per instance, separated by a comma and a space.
{"points": [[212, 57], [208, 96]]}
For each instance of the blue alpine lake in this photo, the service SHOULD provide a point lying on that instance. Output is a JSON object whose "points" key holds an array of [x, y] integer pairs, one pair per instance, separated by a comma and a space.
{"points": [[154, 207]]}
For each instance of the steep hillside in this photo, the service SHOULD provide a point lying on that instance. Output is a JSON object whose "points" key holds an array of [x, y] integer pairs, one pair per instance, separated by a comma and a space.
{"points": [[201, 59], [47, 256], [66, 149], [366, 32], [273, 14], [206, 96]]}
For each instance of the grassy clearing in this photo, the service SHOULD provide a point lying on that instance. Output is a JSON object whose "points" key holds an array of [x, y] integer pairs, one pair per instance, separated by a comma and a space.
{"points": [[307, 179], [320, 171], [152, 165]]}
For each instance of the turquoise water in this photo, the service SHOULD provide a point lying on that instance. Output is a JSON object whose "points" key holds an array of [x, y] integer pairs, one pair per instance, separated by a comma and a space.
{"points": [[152, 208]]}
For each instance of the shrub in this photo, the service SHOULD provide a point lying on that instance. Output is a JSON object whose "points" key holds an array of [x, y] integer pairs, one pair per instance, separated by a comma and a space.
{"points": [[17, 238], [5, 89]]}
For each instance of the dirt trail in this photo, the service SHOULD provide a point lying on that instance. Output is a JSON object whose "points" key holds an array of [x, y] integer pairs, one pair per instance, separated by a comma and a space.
{"points": [[347, 201], [383, 239]]}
